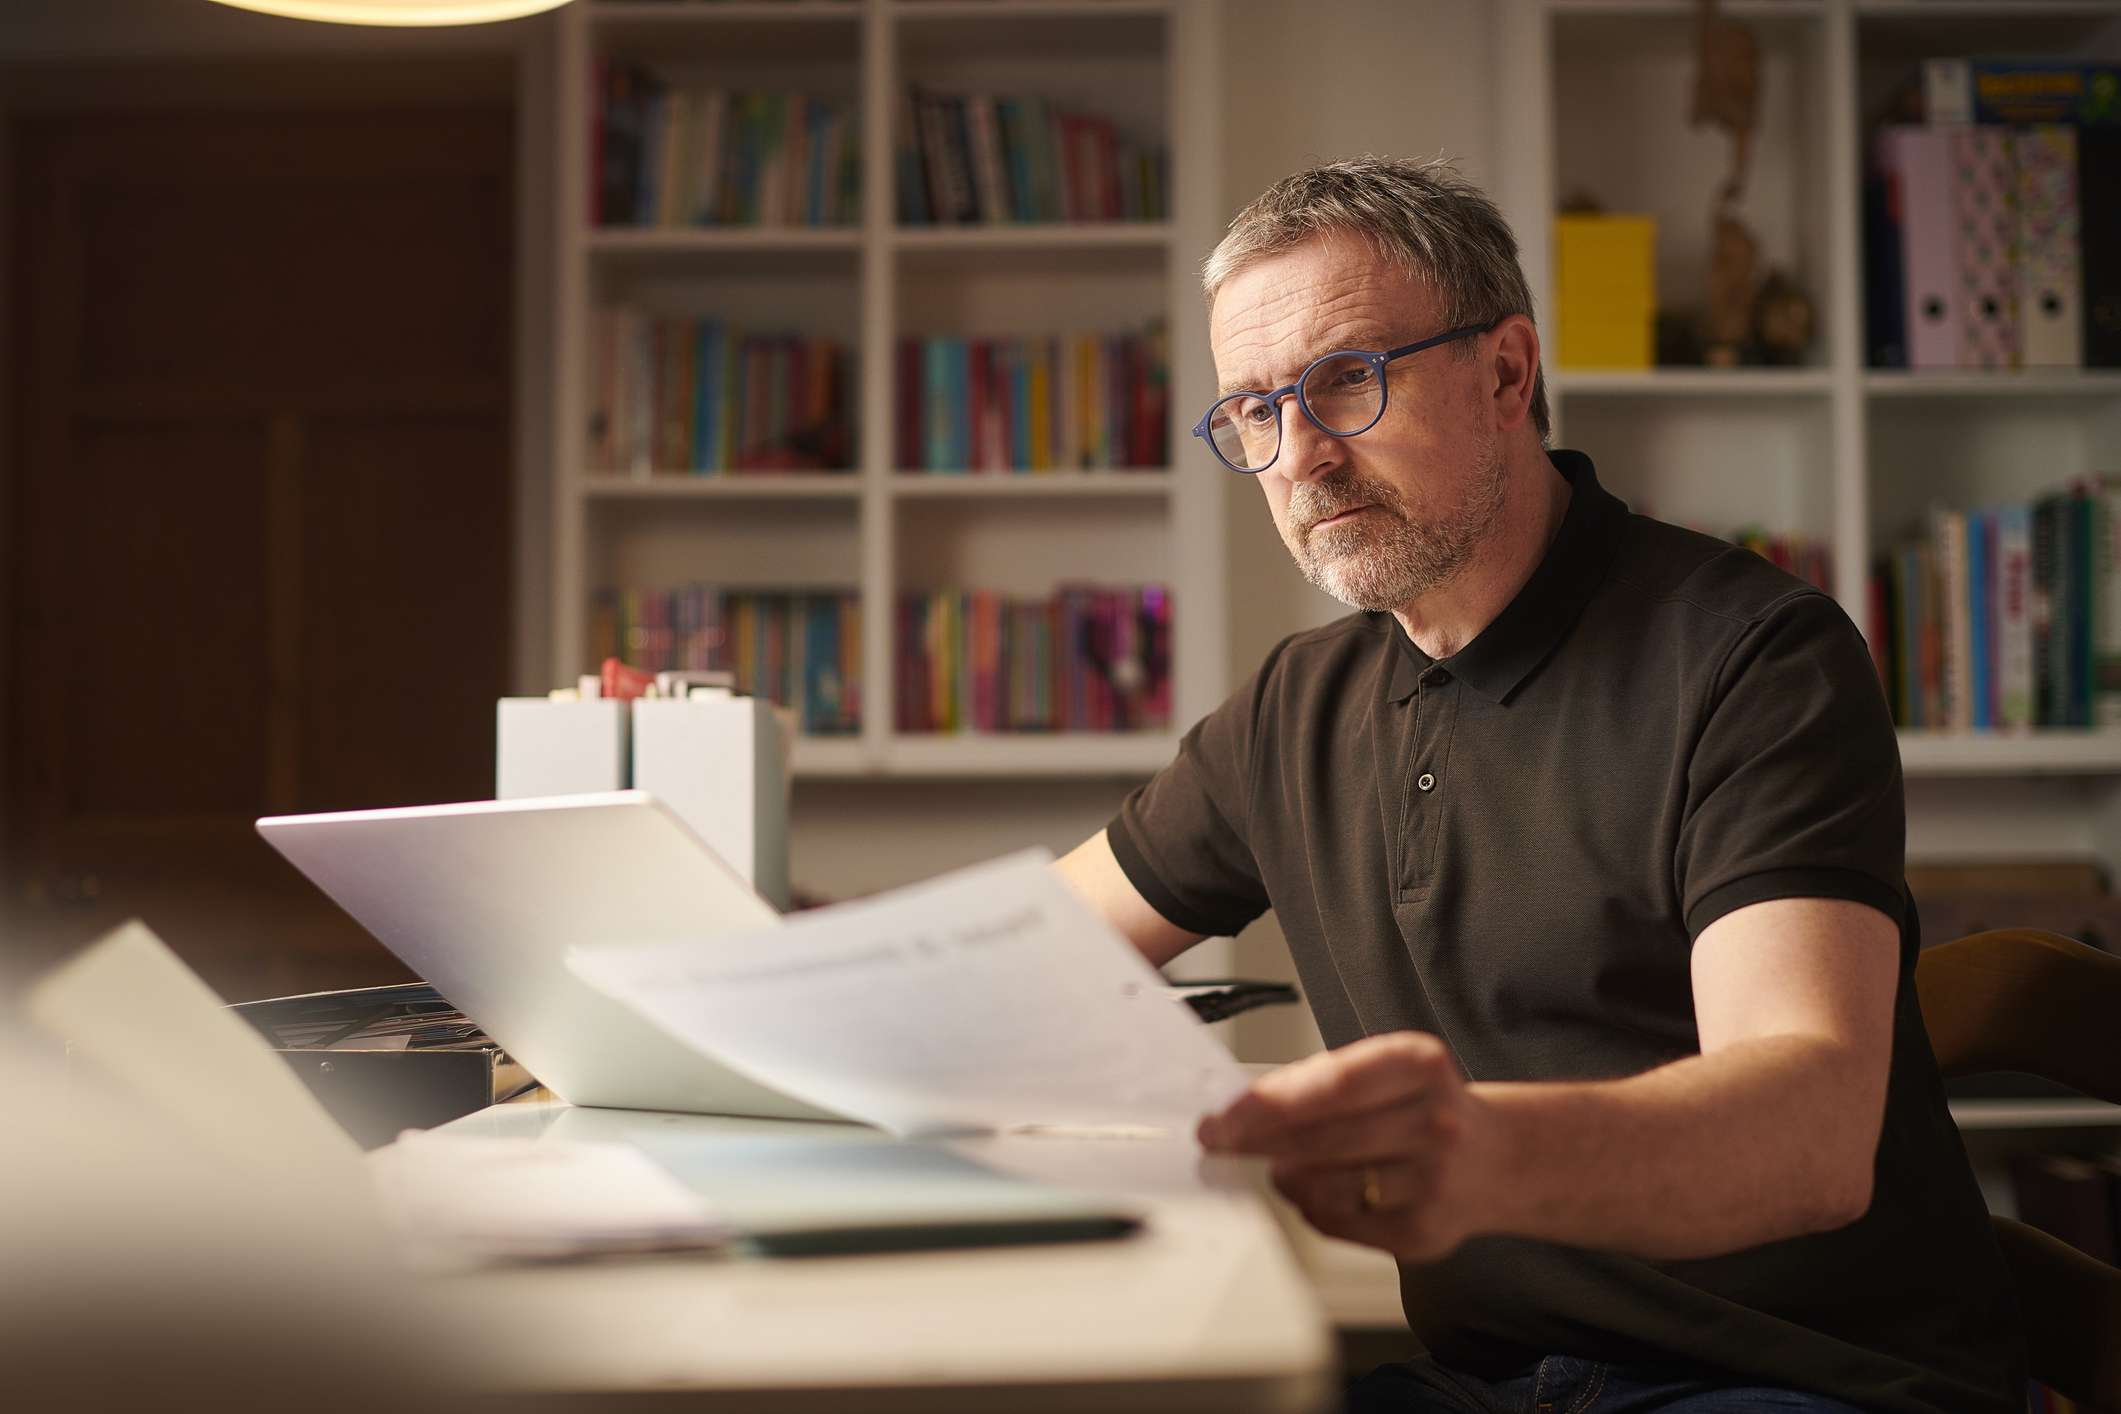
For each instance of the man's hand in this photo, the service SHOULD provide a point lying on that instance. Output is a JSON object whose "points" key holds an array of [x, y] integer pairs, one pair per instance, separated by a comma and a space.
{"points": [[1378, 1142]]}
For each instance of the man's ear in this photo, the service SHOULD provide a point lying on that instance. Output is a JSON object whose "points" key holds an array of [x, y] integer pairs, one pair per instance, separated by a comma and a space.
{"points": [[1514, 369]]}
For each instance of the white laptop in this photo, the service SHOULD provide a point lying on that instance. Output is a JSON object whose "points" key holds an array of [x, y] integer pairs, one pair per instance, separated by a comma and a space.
{"points": [[482, 901]]}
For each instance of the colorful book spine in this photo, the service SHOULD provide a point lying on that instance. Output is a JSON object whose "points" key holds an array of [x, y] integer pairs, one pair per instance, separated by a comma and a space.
{"points": [[2014, 616], [2050, 264], [2106, 603], [1984, 230], [1981, 674], [1954, 682]]}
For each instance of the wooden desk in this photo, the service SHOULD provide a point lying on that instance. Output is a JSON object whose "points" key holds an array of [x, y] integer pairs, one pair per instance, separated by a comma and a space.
{"points": [[1205, 1308]]}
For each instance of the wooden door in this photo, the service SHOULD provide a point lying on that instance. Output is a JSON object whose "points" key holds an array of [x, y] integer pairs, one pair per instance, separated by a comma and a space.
{"points": [[258, 527]]}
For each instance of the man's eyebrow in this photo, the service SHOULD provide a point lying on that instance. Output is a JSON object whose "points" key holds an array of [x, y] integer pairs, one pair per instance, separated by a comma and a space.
{"points": [[1368, 337]]}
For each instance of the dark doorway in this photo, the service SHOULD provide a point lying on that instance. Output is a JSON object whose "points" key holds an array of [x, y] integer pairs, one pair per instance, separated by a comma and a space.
{"points": [[258, 522]]}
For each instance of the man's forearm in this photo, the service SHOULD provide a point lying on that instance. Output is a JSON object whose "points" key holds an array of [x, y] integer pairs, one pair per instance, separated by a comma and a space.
{"points": [[1754, 1143]]}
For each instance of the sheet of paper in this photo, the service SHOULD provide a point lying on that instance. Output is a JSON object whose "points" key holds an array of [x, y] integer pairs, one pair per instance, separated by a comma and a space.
{"points": [[456, 1200], [990, 998]]}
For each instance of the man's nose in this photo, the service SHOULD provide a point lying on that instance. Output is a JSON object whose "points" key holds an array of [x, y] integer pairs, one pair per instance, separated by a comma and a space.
{"points": [[1308, 452]]}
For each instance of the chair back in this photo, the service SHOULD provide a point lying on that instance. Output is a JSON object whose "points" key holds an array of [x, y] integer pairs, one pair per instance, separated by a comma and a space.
{"points": [[2041, 1004]]}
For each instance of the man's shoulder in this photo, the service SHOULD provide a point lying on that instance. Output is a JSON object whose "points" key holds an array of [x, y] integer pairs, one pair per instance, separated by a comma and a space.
{"points": [[1701, 577]]}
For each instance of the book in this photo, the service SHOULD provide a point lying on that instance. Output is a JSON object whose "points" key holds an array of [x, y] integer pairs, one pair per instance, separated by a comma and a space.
{"points": [[2046, 615], [1984, 230], [2021, 91], [1955, 673], [1884, 286], [2050, 268], [2080, 600], [2106, 603], [1917, 164], [2014, 618], [1981, 675], [2099, 214]]}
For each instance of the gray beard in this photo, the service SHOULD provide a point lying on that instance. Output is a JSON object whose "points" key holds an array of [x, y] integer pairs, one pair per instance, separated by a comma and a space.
{"points": [[1385, 561]]}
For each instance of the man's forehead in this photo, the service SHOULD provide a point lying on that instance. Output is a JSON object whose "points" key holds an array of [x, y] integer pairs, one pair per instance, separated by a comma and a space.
{"points": [[1271, 317]]}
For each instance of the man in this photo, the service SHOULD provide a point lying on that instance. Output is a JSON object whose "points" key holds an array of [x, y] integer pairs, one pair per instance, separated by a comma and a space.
{"points": [[1587, 836]]}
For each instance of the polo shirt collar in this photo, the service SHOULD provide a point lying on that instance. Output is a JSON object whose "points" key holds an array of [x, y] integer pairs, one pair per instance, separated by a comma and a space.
{"points": [[1527, 630]]}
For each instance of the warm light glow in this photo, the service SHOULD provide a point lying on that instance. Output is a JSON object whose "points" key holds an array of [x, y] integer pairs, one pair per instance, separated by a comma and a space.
{"points": [[398, 12]]}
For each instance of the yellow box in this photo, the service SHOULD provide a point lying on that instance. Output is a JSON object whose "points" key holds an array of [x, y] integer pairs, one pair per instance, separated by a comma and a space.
{"points": [[1605, 291], [1602, 260], [1606, 343]]}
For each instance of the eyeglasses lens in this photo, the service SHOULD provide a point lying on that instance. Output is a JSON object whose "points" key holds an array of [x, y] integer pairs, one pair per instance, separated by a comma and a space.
{"points": [[1344, 393]]}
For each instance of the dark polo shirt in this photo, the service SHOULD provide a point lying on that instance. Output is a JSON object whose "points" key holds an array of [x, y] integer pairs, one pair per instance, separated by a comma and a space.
{"points": [[1515, 847]]}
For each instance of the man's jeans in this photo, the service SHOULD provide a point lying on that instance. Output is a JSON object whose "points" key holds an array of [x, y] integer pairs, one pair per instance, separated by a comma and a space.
{"points": [[1563, 1384]]}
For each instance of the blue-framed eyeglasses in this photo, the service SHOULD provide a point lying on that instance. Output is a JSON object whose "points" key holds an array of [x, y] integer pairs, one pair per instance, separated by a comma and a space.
{"points": [[1343, 393]]}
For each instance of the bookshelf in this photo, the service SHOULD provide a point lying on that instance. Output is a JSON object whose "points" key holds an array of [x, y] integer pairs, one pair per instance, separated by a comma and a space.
{"points": [[1831, 448], [876, 528]]}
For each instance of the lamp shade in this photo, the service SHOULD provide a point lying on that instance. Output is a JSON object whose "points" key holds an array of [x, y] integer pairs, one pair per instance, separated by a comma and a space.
{"points": [[398, 12]]}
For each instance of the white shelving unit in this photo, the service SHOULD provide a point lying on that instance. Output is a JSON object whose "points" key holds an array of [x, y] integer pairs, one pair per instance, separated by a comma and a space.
{"points": [[1149, 64], [1832, 449]]}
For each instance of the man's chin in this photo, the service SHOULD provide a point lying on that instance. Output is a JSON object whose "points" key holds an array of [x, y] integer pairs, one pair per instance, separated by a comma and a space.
{"points": [[1367, 598]]}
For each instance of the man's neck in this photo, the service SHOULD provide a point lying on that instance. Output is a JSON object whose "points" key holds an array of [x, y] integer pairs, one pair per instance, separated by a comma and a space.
{"points": [[1447, 618]]}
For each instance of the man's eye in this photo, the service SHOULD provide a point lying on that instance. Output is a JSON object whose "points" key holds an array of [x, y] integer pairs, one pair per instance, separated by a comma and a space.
{"points": [[1356, 376], [1258, 414]]}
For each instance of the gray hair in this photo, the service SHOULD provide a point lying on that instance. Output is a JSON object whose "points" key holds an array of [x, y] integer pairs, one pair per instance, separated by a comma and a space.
{"points": [[1422, 216]]}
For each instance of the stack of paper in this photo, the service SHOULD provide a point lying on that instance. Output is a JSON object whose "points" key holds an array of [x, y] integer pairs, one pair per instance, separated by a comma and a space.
{"points": [[987, 999]]}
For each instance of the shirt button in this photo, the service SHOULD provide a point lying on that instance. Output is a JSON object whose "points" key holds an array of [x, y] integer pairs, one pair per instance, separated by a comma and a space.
{"points": [[1426, 782], [1438, 676]]}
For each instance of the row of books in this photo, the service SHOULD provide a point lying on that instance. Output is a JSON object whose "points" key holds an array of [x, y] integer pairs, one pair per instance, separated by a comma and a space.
{"points": [[1055, 404], [1089, 658], [1993, 220], [977, 158], [672, 394], [679, 156], [801, 650], [2006, 617]]}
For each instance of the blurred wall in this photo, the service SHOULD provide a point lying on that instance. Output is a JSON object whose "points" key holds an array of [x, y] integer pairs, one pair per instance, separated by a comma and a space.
{"points": [[41, 39]]}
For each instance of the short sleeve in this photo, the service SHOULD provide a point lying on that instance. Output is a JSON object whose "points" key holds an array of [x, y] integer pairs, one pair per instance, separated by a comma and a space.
{"points": [[1181, 838], [1793, 789]]}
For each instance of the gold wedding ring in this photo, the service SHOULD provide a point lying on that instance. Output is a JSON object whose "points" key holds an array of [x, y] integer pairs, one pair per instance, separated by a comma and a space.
{"points": [[1373, 1195]]}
